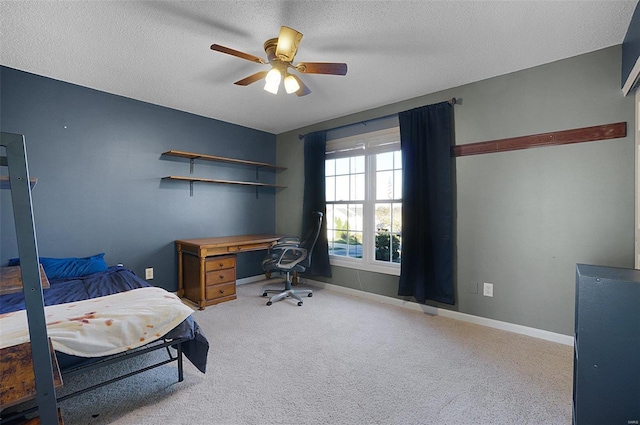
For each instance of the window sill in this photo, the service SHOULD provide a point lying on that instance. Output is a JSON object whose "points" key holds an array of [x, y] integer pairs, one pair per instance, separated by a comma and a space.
{"points": [[392, 269]]}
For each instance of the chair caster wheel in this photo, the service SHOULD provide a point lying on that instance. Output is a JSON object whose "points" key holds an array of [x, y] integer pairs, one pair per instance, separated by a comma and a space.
{"points": [[299, 303], [269, 303], [264, 295], [310, 294]]}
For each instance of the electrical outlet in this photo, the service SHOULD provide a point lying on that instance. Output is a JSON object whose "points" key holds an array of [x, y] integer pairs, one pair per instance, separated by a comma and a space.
{"points": [[488, 290], [148, 273], [473, 287]]}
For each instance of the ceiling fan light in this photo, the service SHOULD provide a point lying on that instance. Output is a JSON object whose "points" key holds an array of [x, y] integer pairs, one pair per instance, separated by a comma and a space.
{"points": [[291, 84], [273, 76], [271, 88], [272, 81]]}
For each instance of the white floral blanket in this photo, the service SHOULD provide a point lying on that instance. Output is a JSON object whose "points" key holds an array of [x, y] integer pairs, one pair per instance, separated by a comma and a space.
{"points": [[102, 326]]}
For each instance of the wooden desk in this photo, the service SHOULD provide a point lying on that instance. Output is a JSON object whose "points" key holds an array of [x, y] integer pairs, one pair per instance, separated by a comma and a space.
{"points": [[207, 266]]}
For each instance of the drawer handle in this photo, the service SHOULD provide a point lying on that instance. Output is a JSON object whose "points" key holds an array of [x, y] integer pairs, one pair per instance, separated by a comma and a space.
{"points": [[221, 264], [222, 291], [221, 276]]}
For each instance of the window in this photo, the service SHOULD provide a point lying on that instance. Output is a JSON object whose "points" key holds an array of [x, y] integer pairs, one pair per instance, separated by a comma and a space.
{"points": [[364, 201]]}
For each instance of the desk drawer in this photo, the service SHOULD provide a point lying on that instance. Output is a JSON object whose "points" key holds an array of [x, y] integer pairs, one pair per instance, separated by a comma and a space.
{"points": [[220, 262], [219, 291], [220, 276], [250, 247]]}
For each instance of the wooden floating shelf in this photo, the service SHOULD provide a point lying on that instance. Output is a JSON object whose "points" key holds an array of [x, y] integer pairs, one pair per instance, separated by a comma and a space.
{"points": [[577, 135], [5, 183], [16, 371], [11, 279], [204, 180], [192, 156]]}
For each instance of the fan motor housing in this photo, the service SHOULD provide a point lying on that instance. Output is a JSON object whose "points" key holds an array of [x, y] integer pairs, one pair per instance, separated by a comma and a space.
{"points": [[270, 48]]}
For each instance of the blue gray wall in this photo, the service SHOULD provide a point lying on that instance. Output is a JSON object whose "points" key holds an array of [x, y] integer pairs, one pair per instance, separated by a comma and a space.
{"points": [[524, 218], [98, 161]]}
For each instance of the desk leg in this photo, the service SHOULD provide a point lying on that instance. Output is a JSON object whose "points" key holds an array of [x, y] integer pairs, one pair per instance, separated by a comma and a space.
{"points": [[201, 304], [180, 281]]}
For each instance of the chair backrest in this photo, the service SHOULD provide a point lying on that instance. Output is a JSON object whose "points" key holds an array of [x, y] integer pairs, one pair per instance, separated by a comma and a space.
{"points": [[309, 240]]}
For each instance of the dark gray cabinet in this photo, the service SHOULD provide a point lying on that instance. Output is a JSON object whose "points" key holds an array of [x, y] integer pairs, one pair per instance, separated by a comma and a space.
{"points": [[606, 367]]}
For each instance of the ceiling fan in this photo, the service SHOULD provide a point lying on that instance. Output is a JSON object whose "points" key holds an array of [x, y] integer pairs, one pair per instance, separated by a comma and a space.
{"points": [[280, 53]]}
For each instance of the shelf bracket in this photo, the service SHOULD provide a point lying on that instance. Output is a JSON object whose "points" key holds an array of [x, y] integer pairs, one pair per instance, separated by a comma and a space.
{"points": [[191, 188], [191, 161]]}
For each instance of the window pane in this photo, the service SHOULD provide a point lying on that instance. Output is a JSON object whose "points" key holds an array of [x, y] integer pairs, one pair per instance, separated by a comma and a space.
{"points": [[383, 217], [336, 227], [330, 167], [388, 225], [342, 188], [397, 184], [330, 184], [342, 166], [387, 247], [384, 185], [397, 159], [357, 187], [384, 161], [397, 218], [383, 247], [329, 220], [345, 230], [355, 217], [398, 258], [340, 217], [357, 164], [355, 244], [330, 225]]}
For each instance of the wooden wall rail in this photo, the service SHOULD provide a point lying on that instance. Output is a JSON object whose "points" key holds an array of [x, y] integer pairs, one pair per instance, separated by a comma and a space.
{"points": [[577, 135]]}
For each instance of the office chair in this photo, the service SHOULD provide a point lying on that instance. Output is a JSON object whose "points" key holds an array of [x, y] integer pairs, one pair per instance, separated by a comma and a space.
{"points": [[292, 255]]}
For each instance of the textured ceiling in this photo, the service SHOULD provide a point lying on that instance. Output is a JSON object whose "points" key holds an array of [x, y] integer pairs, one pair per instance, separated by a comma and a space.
{"points": [[159, 52]]}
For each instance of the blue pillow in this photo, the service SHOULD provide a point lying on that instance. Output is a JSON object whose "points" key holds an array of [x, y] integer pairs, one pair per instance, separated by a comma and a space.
{"points": [[64, 268]]}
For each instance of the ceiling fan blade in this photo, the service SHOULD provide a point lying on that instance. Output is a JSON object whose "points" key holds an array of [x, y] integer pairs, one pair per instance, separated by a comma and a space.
{"points": [[288, 42], [251, 78], [236, 53], [322, 68], [303, 90]]}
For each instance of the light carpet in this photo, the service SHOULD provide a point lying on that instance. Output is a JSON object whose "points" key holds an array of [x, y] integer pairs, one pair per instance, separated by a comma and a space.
{"points": [[340, 359]]}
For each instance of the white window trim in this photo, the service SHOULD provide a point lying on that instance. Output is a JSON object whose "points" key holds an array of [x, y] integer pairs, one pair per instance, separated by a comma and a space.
{"points": [[361, 264], [381, 140]]}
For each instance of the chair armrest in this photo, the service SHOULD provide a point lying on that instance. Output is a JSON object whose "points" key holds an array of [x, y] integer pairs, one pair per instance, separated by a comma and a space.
{"points": [[282, 243], [294, 255], [285, 242]]}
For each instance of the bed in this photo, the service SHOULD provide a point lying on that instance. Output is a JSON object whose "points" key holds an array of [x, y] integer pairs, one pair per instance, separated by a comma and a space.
{"points": [[106, 315]]}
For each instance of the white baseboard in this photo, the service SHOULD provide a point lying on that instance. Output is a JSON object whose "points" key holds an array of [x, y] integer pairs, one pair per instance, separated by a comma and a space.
{"points": [[250, 279], [435, 311]]}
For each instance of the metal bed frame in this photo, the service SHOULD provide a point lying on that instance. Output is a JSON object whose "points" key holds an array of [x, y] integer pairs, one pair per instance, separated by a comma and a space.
{"points": [[47, 400], [106, 361], [16, 161]]}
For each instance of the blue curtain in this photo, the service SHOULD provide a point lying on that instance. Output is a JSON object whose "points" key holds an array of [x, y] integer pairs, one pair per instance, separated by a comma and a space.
{"points": [[315, 199], [426, 136]]}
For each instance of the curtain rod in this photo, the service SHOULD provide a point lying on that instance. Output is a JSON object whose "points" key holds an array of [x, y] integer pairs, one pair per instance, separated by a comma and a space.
{"points": [[452, 101]]}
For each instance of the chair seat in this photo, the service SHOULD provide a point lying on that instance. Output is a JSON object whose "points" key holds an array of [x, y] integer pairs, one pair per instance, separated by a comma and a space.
{"points": [[292, 255]]}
